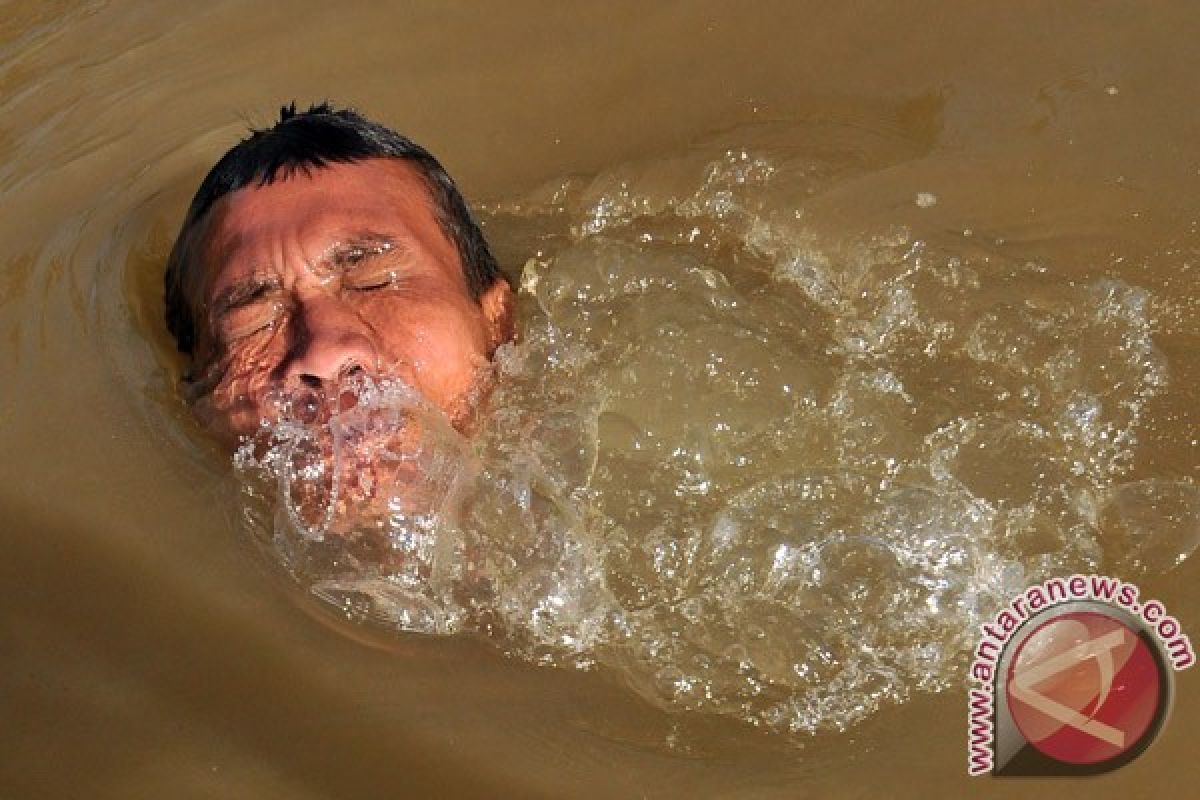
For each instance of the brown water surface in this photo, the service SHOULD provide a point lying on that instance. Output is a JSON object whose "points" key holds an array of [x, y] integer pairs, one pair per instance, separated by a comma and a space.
{"points": [[902, 193]]}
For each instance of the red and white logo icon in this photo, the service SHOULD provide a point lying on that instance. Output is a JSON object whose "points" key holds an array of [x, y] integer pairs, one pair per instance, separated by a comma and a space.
{"points": [[1084, 688], [1072, 677]]}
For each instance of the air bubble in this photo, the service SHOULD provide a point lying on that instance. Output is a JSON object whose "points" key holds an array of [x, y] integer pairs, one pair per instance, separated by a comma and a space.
{"points": [[1152, 526], [748, 472]]}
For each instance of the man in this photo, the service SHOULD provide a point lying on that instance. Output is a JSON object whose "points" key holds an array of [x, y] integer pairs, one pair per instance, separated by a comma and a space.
{"points": [[325, 247]]}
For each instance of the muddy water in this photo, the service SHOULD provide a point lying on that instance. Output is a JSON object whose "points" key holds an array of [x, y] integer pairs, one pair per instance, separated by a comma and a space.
{"points": [[836, 326]]}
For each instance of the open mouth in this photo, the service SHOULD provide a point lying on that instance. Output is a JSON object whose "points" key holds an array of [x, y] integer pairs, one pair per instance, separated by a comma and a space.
{"points": [[368, 452]]}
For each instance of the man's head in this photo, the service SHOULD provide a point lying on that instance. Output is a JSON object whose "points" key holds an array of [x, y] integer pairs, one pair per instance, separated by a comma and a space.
{"points": [[324, 246]]}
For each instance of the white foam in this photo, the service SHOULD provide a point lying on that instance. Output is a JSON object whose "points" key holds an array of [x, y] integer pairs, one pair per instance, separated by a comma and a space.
{"points": [[751, 476]]}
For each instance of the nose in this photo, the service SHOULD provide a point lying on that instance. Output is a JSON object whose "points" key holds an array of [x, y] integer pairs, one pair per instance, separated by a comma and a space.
{"points": [[328, 340]]}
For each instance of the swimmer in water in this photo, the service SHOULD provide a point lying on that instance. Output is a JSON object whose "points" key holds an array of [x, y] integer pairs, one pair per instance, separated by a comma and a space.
{"points": [[323, 248]]}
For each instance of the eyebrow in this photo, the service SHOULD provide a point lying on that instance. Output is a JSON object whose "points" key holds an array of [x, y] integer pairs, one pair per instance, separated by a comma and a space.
{"points": [[344, 253], [243, 293], [360, 247]]}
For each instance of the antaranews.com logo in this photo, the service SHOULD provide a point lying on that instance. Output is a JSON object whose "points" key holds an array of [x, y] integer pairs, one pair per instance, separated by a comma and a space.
{"points": [[1074, 677]]}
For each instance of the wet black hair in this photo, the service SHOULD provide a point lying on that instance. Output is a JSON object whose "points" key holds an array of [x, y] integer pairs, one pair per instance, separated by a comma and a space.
{"points": [[302, 141]]}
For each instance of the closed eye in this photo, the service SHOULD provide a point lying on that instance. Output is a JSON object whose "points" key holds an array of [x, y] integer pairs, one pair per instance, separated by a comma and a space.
{"points": [[374, 266], [374, 276], [247, 309], [246, 320]]}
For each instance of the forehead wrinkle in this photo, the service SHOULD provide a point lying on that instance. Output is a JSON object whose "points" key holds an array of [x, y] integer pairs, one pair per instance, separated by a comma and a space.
{"points": [[300, 205], [244, 272], [219, 248]]}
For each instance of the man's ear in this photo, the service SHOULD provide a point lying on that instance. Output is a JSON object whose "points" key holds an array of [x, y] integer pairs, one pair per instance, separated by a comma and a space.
{"points": [[498, 310]]}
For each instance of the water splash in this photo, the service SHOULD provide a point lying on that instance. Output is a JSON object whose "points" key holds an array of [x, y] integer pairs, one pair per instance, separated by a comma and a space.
{"points": [[750, 475]]}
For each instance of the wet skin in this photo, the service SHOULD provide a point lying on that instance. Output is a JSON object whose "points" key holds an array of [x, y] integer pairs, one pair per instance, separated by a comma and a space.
{"points": [[321, 275]]}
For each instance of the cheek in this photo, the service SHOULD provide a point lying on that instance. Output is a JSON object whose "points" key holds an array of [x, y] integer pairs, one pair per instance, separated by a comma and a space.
{"points": [[443, 344], [246, 371]]}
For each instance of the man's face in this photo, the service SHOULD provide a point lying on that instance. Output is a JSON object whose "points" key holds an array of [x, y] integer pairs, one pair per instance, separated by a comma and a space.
{"points": [[316, 277]]}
